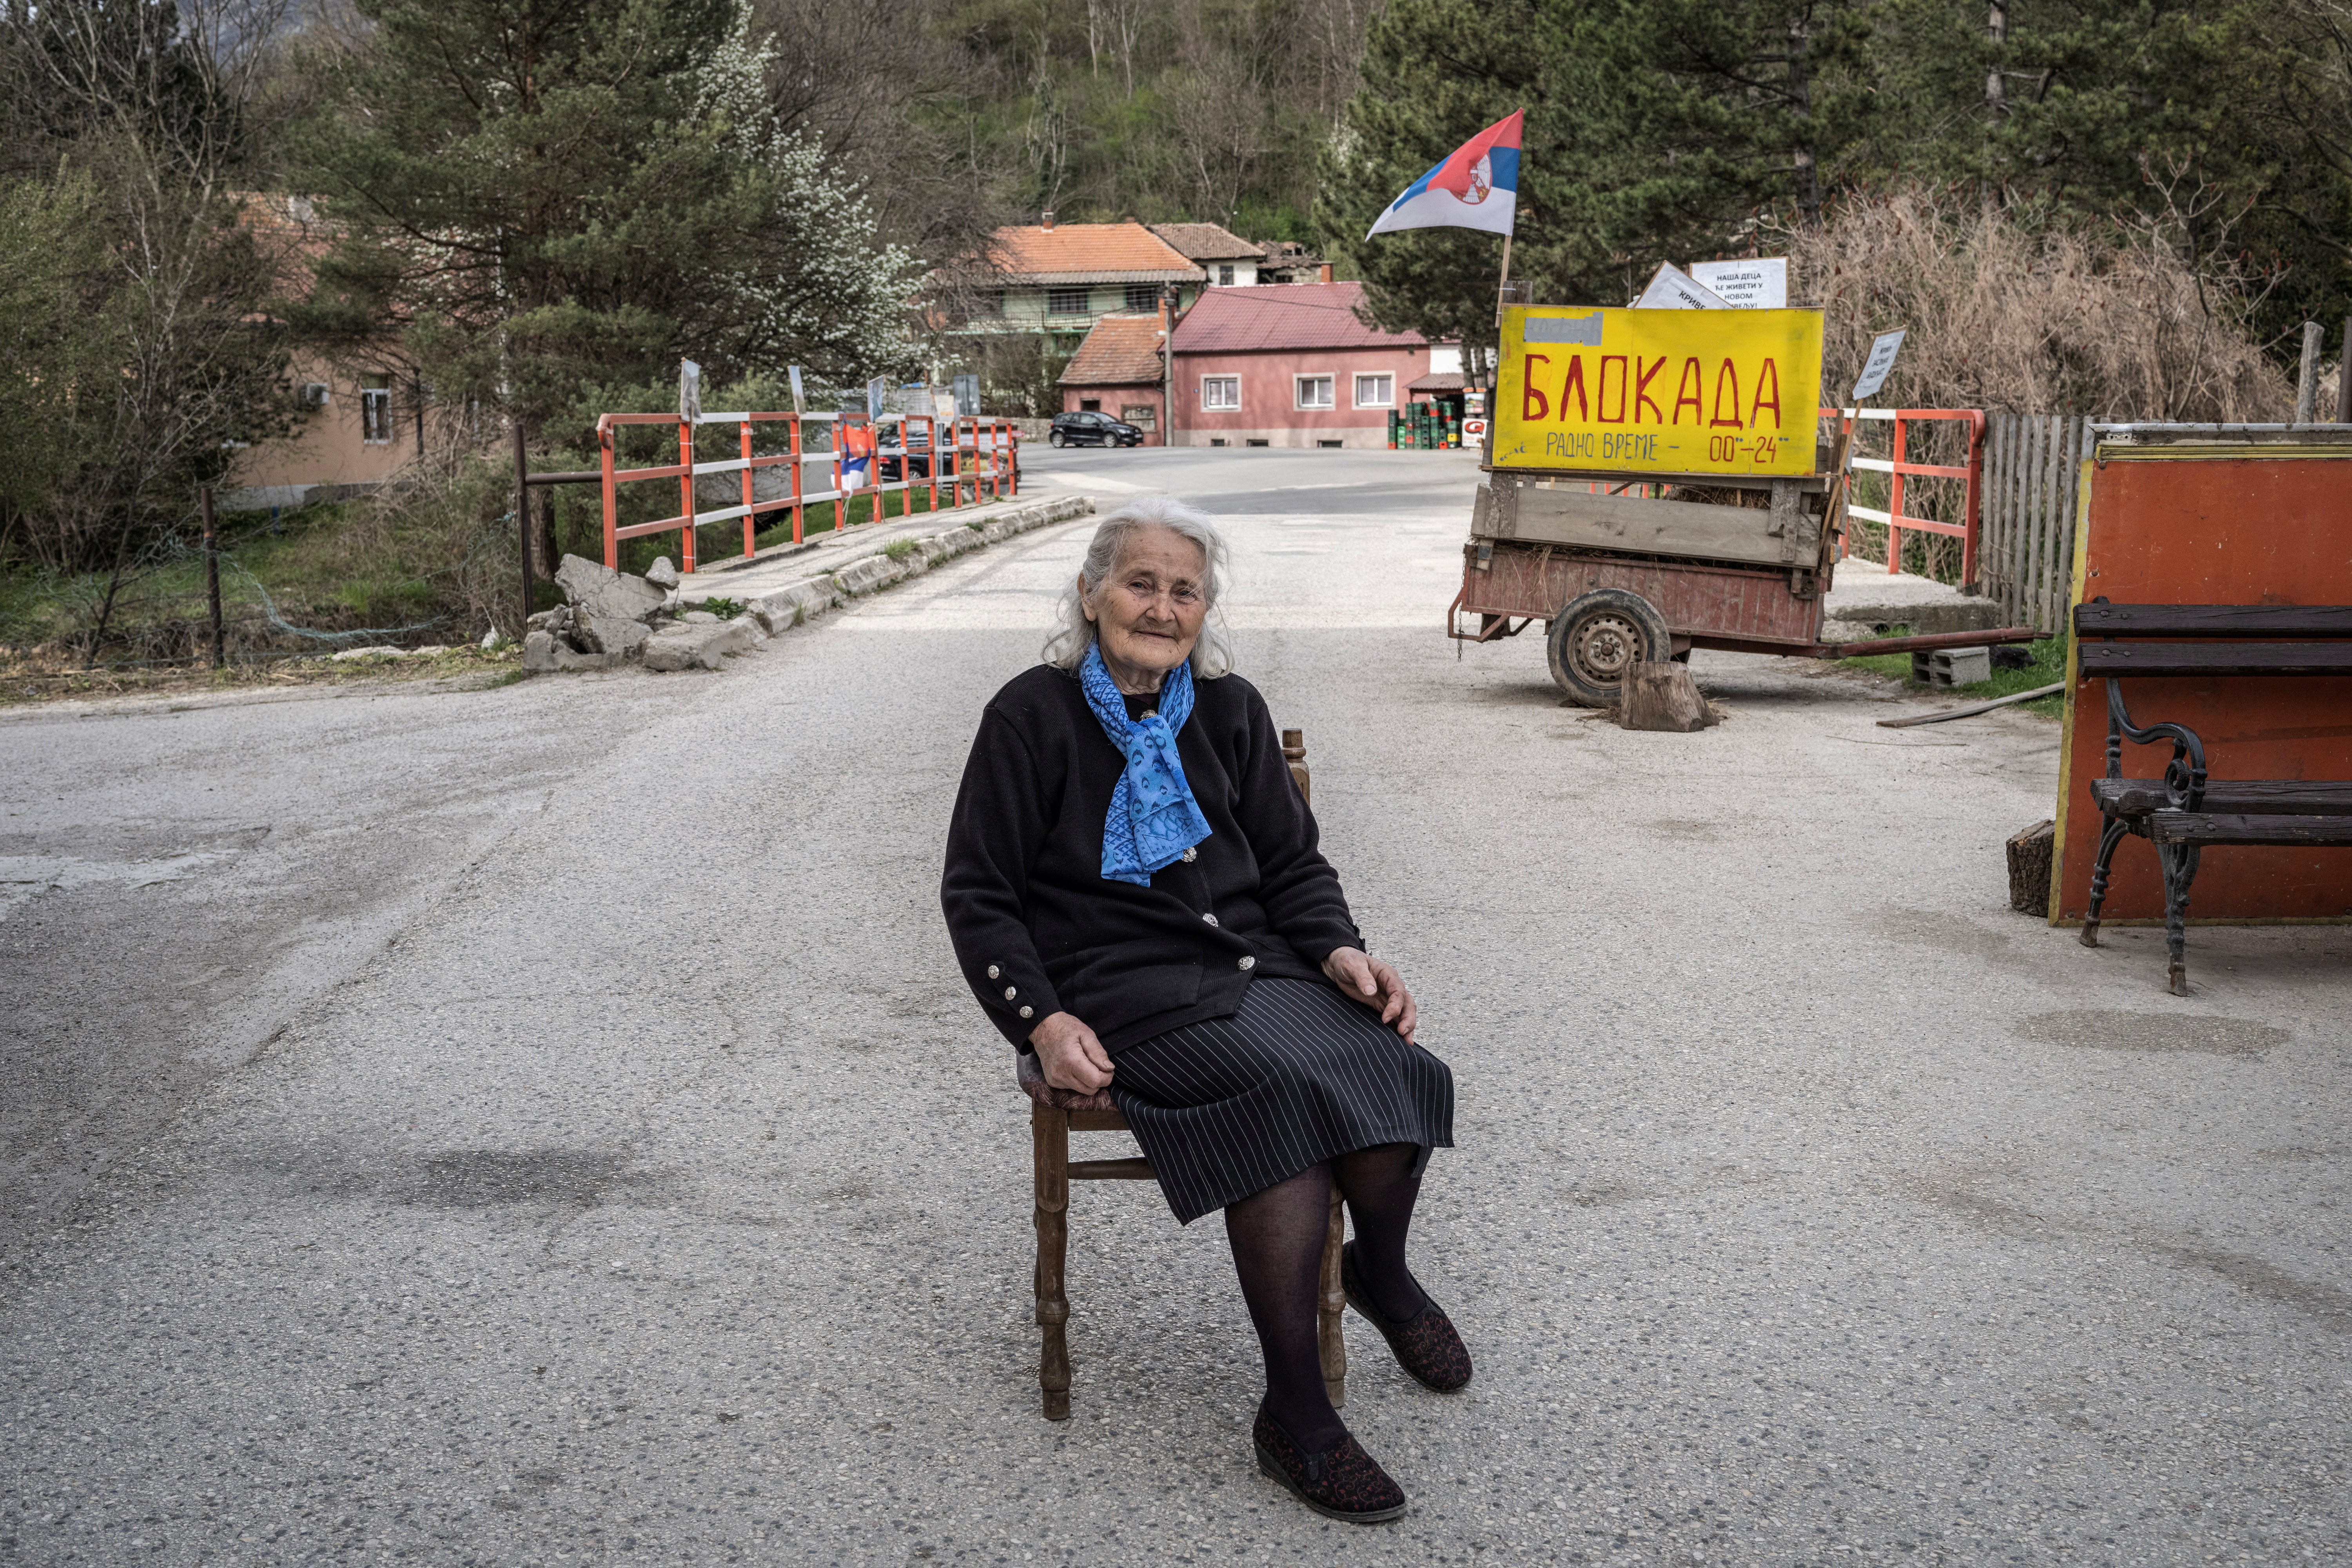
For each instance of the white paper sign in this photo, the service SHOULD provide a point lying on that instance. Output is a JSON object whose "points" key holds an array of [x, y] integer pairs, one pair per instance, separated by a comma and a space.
{"points": [[1671, 288], [1761, 284], [793, 372], [1881, 361], [690, 390]]}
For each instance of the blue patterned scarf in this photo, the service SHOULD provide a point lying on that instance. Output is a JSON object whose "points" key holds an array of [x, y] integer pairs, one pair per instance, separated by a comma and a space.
{"points": [[1153, 817]]}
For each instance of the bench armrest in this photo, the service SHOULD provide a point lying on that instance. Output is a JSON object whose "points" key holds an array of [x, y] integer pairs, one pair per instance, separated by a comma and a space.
{"points": [[2184, 775]]}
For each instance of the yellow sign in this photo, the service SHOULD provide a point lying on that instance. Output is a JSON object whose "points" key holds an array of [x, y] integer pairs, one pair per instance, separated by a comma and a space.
{"points": [[1658, 392]]}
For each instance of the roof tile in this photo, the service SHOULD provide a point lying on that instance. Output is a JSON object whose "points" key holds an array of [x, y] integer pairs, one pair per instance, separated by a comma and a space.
{"points": [[1121, 351], [1086, 252], [1207, 241], [1283, 316]]}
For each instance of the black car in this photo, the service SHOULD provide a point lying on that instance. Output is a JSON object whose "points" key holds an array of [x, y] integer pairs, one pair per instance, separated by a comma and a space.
{"points": [[1092, 430]]}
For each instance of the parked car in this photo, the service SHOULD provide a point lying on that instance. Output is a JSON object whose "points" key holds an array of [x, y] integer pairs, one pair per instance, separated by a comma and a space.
{"points": [[1090, 429], [916, 441]]}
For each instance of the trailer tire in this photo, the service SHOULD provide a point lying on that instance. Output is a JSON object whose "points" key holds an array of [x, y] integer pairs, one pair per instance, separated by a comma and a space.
{"points": [[1597, 637]]}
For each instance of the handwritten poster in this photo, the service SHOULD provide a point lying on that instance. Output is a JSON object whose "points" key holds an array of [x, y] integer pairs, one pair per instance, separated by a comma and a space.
{"points": [[1666, 392]]}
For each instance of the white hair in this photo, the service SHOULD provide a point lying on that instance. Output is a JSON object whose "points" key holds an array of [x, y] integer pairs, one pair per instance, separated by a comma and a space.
{"points": [[1074, 633]]}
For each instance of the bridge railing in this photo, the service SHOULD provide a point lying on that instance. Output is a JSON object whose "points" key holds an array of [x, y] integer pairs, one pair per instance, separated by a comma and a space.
{"points": [[981, 453], [1900, 469]]}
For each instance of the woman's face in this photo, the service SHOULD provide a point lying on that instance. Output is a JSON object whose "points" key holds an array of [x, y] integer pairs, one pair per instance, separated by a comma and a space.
{"points": [[1149, 616]]}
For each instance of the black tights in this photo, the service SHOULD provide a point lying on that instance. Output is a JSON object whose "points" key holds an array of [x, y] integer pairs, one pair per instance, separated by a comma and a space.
{"points": [[1278, 1241]]}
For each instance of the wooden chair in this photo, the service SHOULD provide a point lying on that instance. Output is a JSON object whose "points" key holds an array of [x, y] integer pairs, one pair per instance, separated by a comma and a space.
{"points": [[1054, 1115]]}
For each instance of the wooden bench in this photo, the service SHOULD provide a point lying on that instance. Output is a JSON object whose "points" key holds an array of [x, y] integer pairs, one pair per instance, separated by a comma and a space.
{"points": [[2185, 812]]}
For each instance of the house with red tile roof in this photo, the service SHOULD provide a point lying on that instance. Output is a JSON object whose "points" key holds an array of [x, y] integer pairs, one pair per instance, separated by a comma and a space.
{"points": [[1227, 259], [1292, 364], [1060, 278], [1120, 370]]}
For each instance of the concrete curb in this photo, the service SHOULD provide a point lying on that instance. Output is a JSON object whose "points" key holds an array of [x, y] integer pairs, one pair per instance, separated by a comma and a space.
{"points": [[800, 602]]}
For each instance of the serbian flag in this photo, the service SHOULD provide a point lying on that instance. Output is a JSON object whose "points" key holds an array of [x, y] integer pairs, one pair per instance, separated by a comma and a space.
{"points": [[1478, 187]]}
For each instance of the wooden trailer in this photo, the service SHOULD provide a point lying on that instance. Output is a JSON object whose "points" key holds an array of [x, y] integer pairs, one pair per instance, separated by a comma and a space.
{"points": [[1702, 538]]}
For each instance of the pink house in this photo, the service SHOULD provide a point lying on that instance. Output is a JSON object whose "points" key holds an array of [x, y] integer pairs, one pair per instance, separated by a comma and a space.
{"points": [[1289, 364]]}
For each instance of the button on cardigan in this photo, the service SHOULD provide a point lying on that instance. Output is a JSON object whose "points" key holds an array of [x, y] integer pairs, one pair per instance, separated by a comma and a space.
{"points": [[1030, 913]]}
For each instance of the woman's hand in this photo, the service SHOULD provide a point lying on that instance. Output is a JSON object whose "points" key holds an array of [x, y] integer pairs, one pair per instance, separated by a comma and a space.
{"points": [[1375, 984], [1069, 1054]]}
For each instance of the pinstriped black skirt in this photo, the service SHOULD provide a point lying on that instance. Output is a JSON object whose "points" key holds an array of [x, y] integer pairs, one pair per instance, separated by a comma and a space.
{"points": [[1231, 1106]]}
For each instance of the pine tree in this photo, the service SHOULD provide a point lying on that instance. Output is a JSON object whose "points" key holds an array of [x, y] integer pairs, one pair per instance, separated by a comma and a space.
{"points": [[549, 200], [1656, 130]]}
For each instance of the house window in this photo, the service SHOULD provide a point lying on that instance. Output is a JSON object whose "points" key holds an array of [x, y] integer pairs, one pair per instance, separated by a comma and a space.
{"points": [[1221, 393], [1090, 404], [375, 410], [991, 302], [1142, 297], [1226, 276], [1314, 391], [1065, 301], [1376, 391]]}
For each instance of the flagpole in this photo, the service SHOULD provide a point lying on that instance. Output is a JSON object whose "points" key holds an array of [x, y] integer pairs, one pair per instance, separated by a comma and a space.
{"points": [[1504, 278]]}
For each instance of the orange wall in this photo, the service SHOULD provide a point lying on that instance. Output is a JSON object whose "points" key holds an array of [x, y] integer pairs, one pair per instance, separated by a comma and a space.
{"points": [[2268, 531]]}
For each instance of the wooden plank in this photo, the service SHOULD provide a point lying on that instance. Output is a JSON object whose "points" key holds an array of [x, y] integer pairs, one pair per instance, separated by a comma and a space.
{"points": [[2213, 827], [1531, 514], [1798, 541], [2255, 798], [2029, 501], [2213, 620], [1996, 546], [2062, 568], [2193, 659]]}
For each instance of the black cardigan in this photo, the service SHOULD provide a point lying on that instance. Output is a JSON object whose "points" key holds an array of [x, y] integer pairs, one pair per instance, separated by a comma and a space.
{"points": [[1038, 928]]}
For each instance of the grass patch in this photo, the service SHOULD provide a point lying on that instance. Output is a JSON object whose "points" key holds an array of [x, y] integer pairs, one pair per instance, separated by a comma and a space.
{"points": [[2049, 665]]}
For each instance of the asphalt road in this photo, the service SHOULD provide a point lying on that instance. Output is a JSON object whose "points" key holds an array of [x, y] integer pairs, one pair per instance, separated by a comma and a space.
{"points": [[545, 1125]]}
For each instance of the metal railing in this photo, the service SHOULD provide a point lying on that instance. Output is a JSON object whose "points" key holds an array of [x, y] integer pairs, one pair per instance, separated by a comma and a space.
{"points": [[1900, 467], [982, 452]]}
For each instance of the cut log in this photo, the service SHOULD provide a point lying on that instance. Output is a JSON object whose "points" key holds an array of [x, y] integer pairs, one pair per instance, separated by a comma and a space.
{"points": [[2029, 869], [1662, 696]]}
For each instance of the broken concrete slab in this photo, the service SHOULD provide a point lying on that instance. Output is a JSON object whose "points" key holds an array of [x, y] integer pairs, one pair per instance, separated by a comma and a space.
{"points": [[690, 645], [608, 634], [661, 573], [543, 651], [595, 587]]}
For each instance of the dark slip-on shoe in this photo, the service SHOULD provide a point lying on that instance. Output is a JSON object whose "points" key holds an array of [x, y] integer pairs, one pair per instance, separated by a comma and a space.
{"points": [[1426, 1345], [1345, 1484]]}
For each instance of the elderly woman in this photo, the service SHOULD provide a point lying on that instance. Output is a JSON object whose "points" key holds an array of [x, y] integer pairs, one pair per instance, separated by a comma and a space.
{"points": [[1135, 894]]}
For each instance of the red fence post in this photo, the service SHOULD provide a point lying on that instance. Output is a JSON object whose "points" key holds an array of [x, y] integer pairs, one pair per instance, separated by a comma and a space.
{"points": [[931, 462], [685, 491], [1895, 504], [797, 478], [750, 518], [1976, 477], [605, 436]]}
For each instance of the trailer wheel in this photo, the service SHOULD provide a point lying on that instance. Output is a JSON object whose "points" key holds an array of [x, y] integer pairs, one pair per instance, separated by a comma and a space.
{"points": [[1597, 637]]}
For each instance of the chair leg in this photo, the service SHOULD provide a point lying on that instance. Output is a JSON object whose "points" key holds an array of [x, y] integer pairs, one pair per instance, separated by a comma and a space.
{"points": [[2109, 836], [2179, 871], [1050, 1133], [1328, 1309]]}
